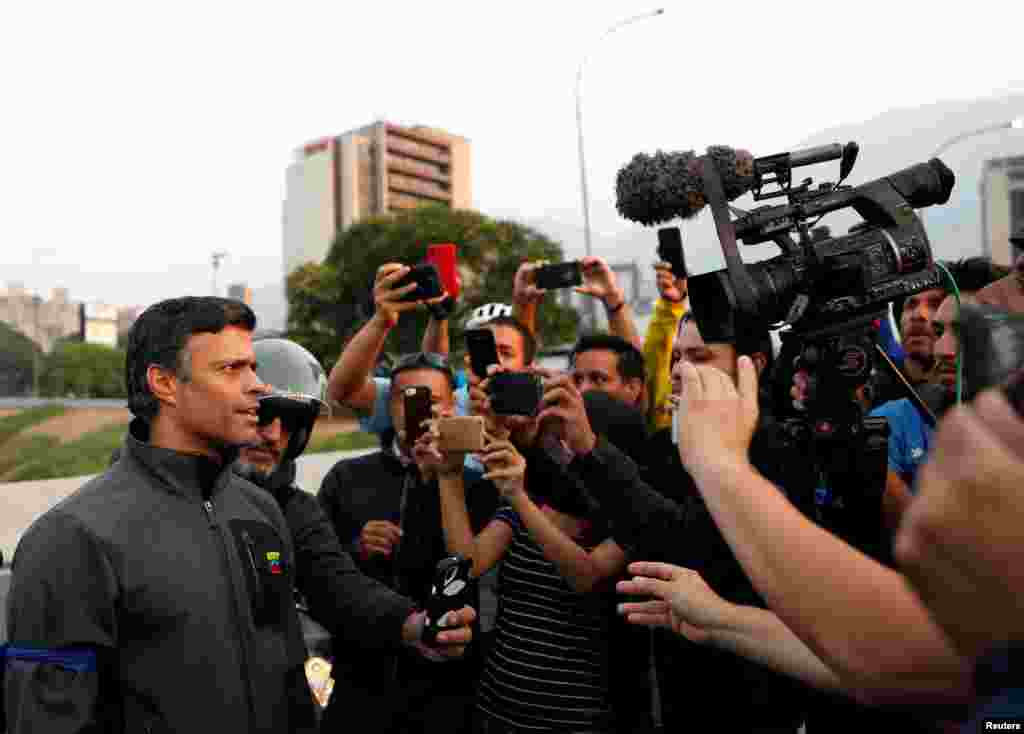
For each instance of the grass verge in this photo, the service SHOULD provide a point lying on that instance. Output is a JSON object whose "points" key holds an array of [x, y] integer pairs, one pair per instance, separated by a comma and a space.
{"points": [[26, 458], [11, 425]]}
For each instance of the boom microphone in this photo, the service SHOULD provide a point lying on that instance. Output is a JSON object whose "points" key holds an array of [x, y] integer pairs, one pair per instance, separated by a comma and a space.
{"points": [[654, 189]]}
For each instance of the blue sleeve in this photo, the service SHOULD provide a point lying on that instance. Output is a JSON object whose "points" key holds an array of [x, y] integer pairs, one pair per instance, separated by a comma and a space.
{"points": [[508, 516], [899, 449], [379, 420], [462, 401]]}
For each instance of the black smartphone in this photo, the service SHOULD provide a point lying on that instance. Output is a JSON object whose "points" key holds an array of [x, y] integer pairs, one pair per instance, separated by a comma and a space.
{"points": [[483, 351], [428, 283], [993, 351], [670, 250], [559, 275], [450, 591], [516, 393], [417, 409]]}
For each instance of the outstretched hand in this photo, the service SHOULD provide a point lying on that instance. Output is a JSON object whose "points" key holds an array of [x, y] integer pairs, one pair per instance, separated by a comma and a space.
{"points": [[683, 601]]}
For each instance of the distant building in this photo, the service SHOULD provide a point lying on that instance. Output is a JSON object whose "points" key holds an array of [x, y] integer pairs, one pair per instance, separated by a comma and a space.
{"points": [[1002, 207], [240, 292], [381, 168], [99, 322], [42, 321]]}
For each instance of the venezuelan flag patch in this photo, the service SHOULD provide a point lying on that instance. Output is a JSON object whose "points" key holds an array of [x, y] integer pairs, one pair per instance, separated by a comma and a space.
{"points": [[274, 562]]}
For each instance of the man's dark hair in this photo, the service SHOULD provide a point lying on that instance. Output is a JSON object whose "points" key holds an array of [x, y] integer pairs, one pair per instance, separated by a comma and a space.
{"points": [[424, 361], [747, 337], [970, 273], [630, 362], [529, 342], [159, 335]]}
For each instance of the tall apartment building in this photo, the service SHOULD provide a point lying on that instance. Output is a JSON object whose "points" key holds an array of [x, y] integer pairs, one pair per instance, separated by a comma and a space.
{"points": [[381, 168], [1002, 207]]}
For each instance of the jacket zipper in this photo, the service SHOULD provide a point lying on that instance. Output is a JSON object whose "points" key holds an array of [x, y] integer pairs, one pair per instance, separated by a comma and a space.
{"points": [[208, 507]]}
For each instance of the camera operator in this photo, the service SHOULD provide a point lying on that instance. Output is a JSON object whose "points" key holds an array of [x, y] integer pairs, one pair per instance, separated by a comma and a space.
{"points": [[910, 432], [671, 524], [916, 315]]}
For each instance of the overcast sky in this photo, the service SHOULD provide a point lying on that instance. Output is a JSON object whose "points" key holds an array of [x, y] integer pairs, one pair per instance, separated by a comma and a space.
{"points": [[139, 137]]}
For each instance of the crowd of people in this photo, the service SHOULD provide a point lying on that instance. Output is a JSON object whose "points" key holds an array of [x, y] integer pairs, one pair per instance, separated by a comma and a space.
{"points": [[649, 552]]}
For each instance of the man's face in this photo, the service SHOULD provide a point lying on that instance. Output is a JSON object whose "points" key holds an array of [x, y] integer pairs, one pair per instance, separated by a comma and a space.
{"points": [[265, 454], [669, 287], [690, 347], [511, 351], [441, 394], [916, 323], [948, 342], [217, 406], [597, 369]]}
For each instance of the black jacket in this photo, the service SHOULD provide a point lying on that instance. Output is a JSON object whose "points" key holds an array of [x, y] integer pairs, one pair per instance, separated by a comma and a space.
{"points": [[354, 607], [400, 691], [176, 575], [696, 683]]}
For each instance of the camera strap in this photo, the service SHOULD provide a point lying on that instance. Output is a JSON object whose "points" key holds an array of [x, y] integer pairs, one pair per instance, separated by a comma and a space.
{"points": [[742, 285]]}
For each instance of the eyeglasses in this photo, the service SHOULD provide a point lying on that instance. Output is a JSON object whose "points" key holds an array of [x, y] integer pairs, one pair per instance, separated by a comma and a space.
{"points": [[430, 360], [294, 414]]}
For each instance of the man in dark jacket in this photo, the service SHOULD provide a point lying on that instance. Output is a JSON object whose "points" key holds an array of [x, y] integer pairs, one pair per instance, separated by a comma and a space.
{"points": [[355, 608], [387, 512], [157, 598]]}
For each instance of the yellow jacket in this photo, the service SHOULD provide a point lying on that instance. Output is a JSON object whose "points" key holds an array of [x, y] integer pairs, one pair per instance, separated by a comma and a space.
{"points": [[661, 331]]}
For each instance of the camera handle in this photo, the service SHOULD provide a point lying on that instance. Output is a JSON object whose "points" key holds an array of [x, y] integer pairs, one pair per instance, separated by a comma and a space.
{"points": [[743, 286]]}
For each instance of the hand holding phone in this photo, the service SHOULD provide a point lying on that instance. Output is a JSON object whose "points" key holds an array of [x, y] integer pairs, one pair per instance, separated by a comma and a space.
{"points": [[558, 275], [427, 280], [450, 591], [483, 351], [515, 393], [417, 403], [443, 257], [461, 434]]}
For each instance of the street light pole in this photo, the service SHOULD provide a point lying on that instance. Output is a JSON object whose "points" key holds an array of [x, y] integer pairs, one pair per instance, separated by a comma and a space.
{"points": [[217, 257], [579, 136], [1015, 124]]}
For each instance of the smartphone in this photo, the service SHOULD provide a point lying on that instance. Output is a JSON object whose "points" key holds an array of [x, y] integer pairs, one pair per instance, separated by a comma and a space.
{"points": [[559, 275], [483, 351], [444, 258], [428, 283], [516, 393], [670, 250], [992, 341], [417, 409], [450, 591], [462, 433]]}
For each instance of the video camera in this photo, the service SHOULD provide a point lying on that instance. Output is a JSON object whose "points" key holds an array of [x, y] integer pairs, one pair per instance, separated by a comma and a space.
{"points": [[829, 295]]}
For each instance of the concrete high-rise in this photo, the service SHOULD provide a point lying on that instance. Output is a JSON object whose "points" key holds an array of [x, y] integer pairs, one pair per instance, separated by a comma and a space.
{"points": [[381, 168], [1002, 207]]}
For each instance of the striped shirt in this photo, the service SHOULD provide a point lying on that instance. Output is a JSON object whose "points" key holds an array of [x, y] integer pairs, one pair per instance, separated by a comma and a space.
{"points": [[547, 669]]}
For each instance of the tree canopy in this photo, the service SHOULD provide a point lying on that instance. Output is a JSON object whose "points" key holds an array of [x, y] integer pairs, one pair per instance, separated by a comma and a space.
{"points": [[328, 302], [84, 370]]}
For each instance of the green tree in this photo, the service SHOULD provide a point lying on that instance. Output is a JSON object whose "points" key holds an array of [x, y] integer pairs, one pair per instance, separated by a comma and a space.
{"points": [[19, 357], [84, 370], [327, 303]]}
